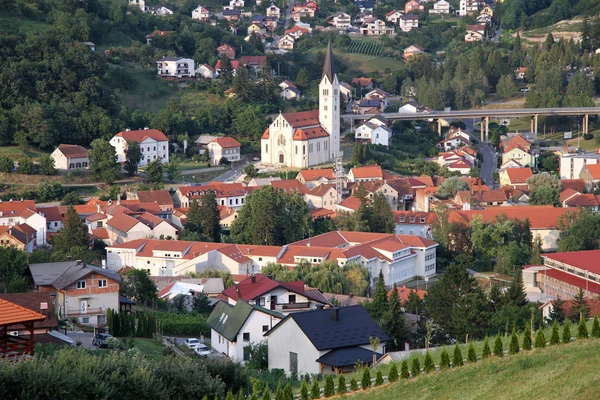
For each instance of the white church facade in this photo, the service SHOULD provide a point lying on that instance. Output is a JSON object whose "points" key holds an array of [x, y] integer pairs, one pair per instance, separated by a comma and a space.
{"points": [[308, 138]]}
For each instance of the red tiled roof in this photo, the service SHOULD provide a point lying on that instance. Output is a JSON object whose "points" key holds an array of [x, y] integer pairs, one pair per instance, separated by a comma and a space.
{"points": [[302, 119], [162, 197], [11, 313], [414, 217], [51, 213], [100, 233], [247, 290], [573, 280], [149, 220], [122, 222], [362, 81], [226, 142], [575, 184], [594, 170], [221, 190], [295, 29], [310, 133], [258, 60], [368, 171], [234, 64], [316, 213], [352, 203], [73, 151], [316, 174], [404, 292], [265, 134], [583, 200], [141, 134], [567, 194], [518, 141], [540, 217], [321, 190], [519, 175], [290, 186], [16, 208], [460, 164]]}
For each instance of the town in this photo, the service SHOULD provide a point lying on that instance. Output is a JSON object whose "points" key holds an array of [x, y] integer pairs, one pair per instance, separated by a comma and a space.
{"points": [[298, 200]]}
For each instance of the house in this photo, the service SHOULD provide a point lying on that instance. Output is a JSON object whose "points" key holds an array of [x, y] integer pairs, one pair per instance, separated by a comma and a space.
{"points": [[13, 213], [21, 236], [231, 15], [324, 341], [323, 196], [365, 174], [206, 71], [590, 173], [296, 32], [408, 22], [515, 177], [226, 50], [256, 28], [481, 198], [283, 297], [571, 164], [454, 142], [234, 327], [226, 147], [273, 11], [512, 163], [161, 197], [236, 3], [79, 290], [518, 154], [487, 10], [253, 62], [316, 177], [70, 156], [200, 14], [340, 20], [398, 192], [123, 228], [363, 83], [413, 6], [154, 145], [286, 42], [156, 34], [412, 50], [228, 194], [376, 27], [393, 16], [346, 91], [365, 106], [520, 73], [159, 10], [234, 66], [404, 293], [373, 134], [14, 316], [288, 91], [141, 4], [468, 7], [175, 67], [378, 94], [475, 33], [440, 7], [414, 223], [306, 10], [588, 202], [569, 307], [365, 6]]}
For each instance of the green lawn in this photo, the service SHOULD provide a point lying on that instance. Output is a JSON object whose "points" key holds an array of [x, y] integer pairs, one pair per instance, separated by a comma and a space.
{"points": [[558, 372], [148, 93], [11, 23], [360, 62], [149, 347], [16, 152]]}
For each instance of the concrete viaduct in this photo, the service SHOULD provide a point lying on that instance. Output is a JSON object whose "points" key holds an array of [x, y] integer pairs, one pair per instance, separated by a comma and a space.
{"points": [[486, 114]]}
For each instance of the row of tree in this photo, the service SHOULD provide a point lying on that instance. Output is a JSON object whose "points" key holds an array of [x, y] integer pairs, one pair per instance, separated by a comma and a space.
{"points": [[129, 324]]}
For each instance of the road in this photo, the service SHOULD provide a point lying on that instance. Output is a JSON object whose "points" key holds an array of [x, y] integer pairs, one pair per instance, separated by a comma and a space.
{"points": [[488, 166], [288, 14]]}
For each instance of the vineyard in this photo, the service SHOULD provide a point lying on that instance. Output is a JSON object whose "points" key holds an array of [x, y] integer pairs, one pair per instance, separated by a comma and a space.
{"points": [[365, 48]]}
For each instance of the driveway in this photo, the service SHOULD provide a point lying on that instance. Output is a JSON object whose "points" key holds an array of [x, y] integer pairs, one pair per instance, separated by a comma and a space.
{"points": [[84, 338]]}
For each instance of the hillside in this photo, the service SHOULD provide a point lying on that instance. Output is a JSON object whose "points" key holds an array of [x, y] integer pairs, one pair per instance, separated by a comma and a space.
{"points": [[559, 372]]}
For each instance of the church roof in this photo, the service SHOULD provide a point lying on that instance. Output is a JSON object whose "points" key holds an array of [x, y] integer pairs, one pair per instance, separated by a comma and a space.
{"points": [[302, 119], [329, 67], [266, 134], [310, 133]]}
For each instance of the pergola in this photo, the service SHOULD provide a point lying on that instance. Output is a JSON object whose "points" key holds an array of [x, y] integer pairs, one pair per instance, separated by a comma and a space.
{"points": [[15, 316]]}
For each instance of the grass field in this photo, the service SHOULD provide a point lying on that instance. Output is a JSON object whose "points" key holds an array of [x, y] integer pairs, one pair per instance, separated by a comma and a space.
{"points": [[11, 23], [149, 93], [362, 63], [16, 152], [149, 347], [558, 372]]}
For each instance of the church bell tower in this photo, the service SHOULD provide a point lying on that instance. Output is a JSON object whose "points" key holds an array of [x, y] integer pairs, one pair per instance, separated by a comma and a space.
{"points": [[329, 104]]}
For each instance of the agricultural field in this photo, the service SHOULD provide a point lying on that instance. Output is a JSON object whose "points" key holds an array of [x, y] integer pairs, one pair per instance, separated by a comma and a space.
{"points": [[365, 48]]}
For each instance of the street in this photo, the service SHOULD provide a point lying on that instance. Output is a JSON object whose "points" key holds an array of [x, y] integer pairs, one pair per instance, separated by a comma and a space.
{"points": [[288, 14], [488, 167]]}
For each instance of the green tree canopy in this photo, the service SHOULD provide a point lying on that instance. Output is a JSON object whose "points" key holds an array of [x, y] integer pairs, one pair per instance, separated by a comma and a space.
{"points": [[103, 161]]}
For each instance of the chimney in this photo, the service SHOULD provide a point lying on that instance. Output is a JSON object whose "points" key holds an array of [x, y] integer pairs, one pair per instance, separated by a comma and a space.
{"points": [[335, 313], [127, 129], [253, 278]]}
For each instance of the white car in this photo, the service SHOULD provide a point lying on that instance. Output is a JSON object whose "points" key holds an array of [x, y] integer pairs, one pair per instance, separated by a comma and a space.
{"points": [[191, 343], [255, 159], [202, 350]]}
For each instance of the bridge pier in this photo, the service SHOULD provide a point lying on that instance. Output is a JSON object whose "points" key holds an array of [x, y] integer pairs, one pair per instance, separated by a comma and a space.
{"points": [[535, 124], [585, 124], [485, 129], [439, 124]]}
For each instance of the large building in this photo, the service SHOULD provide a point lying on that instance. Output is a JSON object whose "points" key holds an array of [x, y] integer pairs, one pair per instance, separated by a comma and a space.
{"points": [[305, 139], [154, 145]]}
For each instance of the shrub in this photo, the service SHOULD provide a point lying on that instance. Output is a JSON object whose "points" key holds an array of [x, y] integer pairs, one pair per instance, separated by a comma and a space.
{"points": [[444, 359], [566, 334], [266, 394], [540, 339], [378, 379], [341, 388], [288, 393], [315, 392], [365, 381], [471, 355], [428, 365], [457, 359], [415, 367], [514, 343], [393, 374], [527, 337], [304, 391], [353, 385], [582, 332], [328, 389], [588, 136], [404, 370], [555, 338], [486, 352], [596, 328]]}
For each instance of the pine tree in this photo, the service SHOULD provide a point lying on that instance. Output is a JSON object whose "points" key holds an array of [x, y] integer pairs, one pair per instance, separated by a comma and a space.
{"points": [[379, 305], [378, 378], [486, 352], [205, 397], [241, 395], [266, 394], [580, 306], [393, 374], [457, 358], [404, 370], [393, 322], [540, 339], [558, 311], [304, 391], [341, 387], [566, 334], [582, 332], [328, 390], [471, 355], [514, 343], [74, 234], [428, 365], [279, 391], [353, 385], [365, 381], [516, 291], [555, 338], [596, 328], [229, 396], [315, 392], [415, 367], [444, 359], [527, 337], [498, 347], [288, 393], [253, 396], [210, 221]]}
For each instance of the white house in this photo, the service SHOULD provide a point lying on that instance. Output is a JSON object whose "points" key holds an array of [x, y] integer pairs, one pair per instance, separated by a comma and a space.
{"points": [[365, 174], [236, 3], [175, 67], [373, 134], [414, 223], [13, 213], [440, 7], [393, 16], [206, 71], [475, 33], [226, 147], [70, 156], [138, 3], [409, 22], [571, 164], [159, 10], [273, 11], [200, 14], [322, 196], [234, 327], [154, 145], [123, 228], [228, 194], [468, 7], [341, 20], [288, 90], [376, 27], [324, 341]]}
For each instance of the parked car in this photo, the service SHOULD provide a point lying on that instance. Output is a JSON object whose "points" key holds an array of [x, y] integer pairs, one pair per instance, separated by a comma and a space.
{"points": [[255, 159], [191, 343], [202, 350], [100, 339]]}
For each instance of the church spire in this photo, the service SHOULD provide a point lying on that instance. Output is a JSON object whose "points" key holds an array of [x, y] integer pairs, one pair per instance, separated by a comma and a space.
{"points": [[329, 67]]}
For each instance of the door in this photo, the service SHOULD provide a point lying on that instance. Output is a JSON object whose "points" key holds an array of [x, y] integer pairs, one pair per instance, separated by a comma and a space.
{"points": [[293, 363], [281, 158], [273, 302], [83, 307]]}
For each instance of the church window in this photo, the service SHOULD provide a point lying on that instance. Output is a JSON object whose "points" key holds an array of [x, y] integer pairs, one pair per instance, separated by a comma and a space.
{"points": [[335, 92], [325, 108], [296, 149], [325, 92], [325, 145], [266, 148], [303, 149]]}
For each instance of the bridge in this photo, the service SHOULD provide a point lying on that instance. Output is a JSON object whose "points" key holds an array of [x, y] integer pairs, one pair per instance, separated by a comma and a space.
{"points": [[486, 114]]}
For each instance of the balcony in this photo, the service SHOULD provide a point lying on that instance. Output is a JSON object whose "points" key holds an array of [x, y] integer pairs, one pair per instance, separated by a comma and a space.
{"points": [[290, 306], [89, 311]]}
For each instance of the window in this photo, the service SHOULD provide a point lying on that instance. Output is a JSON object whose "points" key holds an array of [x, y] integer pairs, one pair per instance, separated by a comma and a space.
{"points": [[102, 283], [99, 224], [246, 336], [303, 149], [246, 352], [260, 301], [293, 363], [80, 284], [147, 262], [296, 149], [266, 148], [291, 298], [265, 328], [85, 320]]}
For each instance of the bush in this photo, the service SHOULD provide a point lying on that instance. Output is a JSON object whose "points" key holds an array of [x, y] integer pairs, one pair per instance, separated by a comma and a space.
{"points": [[471, 355], [566, 334], [527, 337], [365, 381], [444, 359], [555, 338], [353, 385], [415, 367], [457, 359], [486, 352], [393, 374], [428, 365], [540, 339], [514, 343], [596, 328], [341, 387], [329, 389], [582, 332], [304, 391], [378, 379], [588, 136], [315, 392]]}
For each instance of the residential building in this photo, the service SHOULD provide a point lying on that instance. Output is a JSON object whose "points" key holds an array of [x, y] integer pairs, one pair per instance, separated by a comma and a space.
{"points": [[454, 142], [308, 138], [413, 6], [412, 50], [520, 153], [585, 201], [228, 194], [306, 10], [226, 147], [475, 33], [296, 32], [21, 236], [516, 177], [273, 11], [256, 28], [440, 7], [70, 156], [571, 164], [200, 14], [123, 228], [155, 34], [408, 22], [590, 173], [79, 290], [226, 50], [288, 91], [175, 67], [363, 83], [323, 196], [206, 71], [316, 177], [231, 15], [236, 3], [376, 27], [14, 213], [340, 20], [253, 62], [286, 42], [468, 7], [373, 134], [520, 73], [234, 327], [365, 174], [414, 223], [159, 10], [138, 3], [12, 316], [327, 341], [398, 192], [154, 145], [393, 16]]}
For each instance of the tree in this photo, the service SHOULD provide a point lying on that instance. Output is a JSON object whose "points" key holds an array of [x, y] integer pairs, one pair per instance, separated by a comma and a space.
{"points": [[173, 170], [555, 338], [450, 187], [13, 264], [566, 334], [353, 385], [544, 189], [527, 337], [471, 355], [25, 166], [580, 306], [267, 395], [506, 87], [138, 285], [428, 365], [393, 322], [457, 359], [103, 161], [303, 79], [595, 327], [540, 339], [365, 381], [73, 234], [557, 313], [206, 155], [304, 395], [258, 356], [404, 370], [203, 218], [154, 172], [250, 171], [133, 156], [380, 300], [514, 343], [393, 374], [46, 165], [341, 386], [582, 332], [444, 359], [328, 390], [486, 352], [498, 350], [315, 392], [382, 218], [415, 367], [49, 191], [6, 164], [71, 199], [226, 69]]}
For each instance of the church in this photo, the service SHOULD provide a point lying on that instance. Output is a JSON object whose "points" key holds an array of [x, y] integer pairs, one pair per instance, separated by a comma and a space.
{"points": [[308, 138]]}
